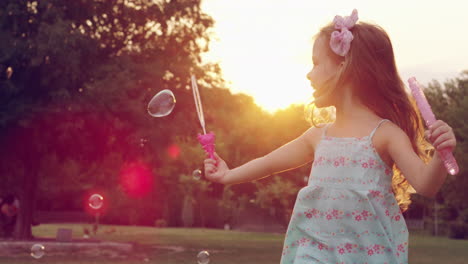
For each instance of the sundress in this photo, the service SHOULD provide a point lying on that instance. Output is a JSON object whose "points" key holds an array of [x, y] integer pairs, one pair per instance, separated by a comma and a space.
{"points": [[347, 213]]}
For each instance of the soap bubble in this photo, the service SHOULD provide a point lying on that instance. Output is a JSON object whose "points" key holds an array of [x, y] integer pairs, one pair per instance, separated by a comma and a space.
{"points": [[316, 116], [203, 257], [162, 104], [37, 251], [197, 174], [9, 72], [96, 201], [143, 142]]}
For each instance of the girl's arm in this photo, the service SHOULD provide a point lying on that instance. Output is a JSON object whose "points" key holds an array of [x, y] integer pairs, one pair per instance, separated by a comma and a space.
{"points": [[292, 155], [426, 179]]}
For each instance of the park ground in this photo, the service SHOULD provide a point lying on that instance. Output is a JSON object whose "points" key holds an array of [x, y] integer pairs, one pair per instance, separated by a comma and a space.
{"points": [[181, 245]]}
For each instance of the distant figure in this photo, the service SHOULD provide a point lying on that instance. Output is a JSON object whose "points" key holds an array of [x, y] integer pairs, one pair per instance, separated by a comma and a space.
{"points": [[9, 206]]}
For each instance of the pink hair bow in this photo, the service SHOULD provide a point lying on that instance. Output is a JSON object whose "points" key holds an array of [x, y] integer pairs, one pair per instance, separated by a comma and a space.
{"points": [[340, 41]]}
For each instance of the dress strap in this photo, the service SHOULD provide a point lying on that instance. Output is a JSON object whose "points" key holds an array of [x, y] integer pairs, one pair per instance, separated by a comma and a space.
{"points": [[378, 125]]}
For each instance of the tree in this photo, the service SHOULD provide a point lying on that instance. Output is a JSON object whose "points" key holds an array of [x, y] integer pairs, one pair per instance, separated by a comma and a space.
{"points": [[68, 60], [450, 103]]}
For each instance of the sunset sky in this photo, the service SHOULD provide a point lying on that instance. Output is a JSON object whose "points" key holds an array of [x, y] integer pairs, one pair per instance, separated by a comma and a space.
{"points": [[264, 46]]}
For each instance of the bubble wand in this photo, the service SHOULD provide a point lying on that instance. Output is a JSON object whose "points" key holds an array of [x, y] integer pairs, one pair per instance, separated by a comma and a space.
{"points": [[447, 157], [206, 140]]}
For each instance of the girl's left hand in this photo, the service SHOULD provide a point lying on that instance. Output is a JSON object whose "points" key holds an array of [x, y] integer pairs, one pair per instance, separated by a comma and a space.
{"points": [[441, 136]]}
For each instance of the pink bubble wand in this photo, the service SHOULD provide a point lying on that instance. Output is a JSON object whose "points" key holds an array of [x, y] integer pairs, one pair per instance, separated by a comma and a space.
{"points": [[206, 140], [425, 109]]}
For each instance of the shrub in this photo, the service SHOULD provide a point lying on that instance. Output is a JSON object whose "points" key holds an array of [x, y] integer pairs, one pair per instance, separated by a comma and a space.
{"points": [[458, 230], [160, 223]]}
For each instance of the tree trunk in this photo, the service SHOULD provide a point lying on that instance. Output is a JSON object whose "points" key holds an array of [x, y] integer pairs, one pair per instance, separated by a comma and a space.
{"points": [[26, 211], [28, 190]]}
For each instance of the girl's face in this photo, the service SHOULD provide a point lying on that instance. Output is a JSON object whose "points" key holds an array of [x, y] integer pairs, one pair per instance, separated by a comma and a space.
{"points": [[323, 73]]}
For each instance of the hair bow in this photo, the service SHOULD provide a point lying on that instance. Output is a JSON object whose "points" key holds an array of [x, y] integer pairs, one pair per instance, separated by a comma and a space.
{"points": [[340, 41]]}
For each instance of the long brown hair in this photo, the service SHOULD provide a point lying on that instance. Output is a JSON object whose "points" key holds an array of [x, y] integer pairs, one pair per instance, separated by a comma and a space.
{"points": [[370, 68]]}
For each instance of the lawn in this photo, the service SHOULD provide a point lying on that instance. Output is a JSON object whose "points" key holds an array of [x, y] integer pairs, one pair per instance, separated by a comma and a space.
{"points": [[180, 246]]}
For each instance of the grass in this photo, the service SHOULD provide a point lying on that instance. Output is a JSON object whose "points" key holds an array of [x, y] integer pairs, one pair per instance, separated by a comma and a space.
{"points": [[225, 247]]}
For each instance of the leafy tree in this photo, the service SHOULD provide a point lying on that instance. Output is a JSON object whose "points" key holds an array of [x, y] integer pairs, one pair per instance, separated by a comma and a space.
{"points": [[450, 103], [76, 72]]}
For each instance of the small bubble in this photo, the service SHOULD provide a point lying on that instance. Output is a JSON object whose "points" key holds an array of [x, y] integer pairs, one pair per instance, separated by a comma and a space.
{"points": [[143, 142], [9, 72], [203, 257], [197, 174], [96, 201], [80, 90], [37, 251]]}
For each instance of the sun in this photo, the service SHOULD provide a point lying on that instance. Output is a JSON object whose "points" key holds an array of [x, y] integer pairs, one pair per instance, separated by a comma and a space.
{"points": [[274, 83], [261, 57]]}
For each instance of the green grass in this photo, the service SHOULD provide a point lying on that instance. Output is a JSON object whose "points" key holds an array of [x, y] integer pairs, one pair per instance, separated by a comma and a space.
{"points": [[225, 247]]}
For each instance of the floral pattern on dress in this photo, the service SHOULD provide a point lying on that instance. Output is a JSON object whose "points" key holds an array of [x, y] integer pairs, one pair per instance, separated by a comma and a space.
{"points": [[347, 214]]}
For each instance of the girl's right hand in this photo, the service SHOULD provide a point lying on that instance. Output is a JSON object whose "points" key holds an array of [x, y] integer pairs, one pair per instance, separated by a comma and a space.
{"points": [[216, 169]]}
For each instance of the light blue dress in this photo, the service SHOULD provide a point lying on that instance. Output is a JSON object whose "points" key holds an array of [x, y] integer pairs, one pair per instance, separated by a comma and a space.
{"points": [[347, 213]]}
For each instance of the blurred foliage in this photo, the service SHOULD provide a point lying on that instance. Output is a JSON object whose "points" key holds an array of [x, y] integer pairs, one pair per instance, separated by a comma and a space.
{"points": [[74, 83]]}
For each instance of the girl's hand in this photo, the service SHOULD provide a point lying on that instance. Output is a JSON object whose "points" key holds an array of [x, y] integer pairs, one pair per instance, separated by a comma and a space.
{"points": [[216, 170], [441, 136]]}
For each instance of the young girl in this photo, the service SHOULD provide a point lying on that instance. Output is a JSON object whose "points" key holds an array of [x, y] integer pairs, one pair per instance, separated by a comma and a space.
{"points": [[351, 209]]}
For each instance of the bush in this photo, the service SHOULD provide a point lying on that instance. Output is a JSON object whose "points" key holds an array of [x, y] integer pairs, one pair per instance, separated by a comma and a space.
{"points": [[443, 226], [160, 223], [458, 230], [463, 216]]}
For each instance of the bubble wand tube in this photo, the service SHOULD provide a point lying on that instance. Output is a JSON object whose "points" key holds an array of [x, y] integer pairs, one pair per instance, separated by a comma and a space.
{"points": [[206, 140], [446, 155]]}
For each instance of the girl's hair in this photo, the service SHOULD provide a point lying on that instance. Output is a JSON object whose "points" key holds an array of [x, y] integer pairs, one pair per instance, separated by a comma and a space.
{"points": [[370, 68]]}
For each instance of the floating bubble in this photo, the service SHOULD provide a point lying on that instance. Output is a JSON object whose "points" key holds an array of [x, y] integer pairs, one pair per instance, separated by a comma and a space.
{"points": [[37, 251], [9, 72], [143, 142], [96, 201], [162, 104], [203, 257], [316, 116], [197, 174]]}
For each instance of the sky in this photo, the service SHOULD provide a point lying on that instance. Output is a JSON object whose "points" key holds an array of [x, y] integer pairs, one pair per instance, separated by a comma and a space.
{"points": [[264, 47]]}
